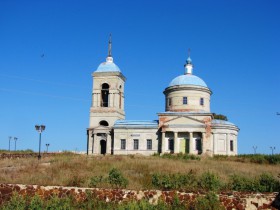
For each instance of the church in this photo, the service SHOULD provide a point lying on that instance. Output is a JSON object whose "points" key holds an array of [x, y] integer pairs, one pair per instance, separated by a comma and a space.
{"points": [[187, 126]]}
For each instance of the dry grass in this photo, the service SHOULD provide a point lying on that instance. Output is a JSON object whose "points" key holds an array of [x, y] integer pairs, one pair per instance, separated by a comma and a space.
{"points": [[76, 170]]}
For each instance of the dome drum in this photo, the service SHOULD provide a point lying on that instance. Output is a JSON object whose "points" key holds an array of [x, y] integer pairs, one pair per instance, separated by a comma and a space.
{"points": [[187, 99]]}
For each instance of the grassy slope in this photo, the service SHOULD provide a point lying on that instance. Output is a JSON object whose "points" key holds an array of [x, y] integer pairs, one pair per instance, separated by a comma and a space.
{"points": [[76, 170]]}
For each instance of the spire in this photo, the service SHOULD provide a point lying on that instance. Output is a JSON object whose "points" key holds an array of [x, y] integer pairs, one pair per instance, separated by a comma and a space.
{"points": [[110, 46], [188, 66], [109, 57]]}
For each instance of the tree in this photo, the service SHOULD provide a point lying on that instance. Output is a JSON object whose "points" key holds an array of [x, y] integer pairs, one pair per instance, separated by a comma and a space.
{"points": [[220, 117]]}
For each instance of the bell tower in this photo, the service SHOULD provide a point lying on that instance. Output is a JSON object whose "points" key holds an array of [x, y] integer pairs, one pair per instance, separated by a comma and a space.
{"points": [[107, 105]]}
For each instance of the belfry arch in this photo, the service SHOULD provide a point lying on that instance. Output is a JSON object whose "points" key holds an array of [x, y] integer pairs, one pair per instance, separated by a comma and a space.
{"points": [[104, 95], [103, 123]]}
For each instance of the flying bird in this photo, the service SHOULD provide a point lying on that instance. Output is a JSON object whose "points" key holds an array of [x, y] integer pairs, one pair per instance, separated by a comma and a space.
{"points": [[42, 55]]}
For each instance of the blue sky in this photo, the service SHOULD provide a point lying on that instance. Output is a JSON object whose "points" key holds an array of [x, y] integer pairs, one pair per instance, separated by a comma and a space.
{"points": [[234, 47]]}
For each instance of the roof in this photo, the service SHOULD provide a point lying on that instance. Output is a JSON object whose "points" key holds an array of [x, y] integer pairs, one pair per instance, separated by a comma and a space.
{"points": [[187, 79], [136, 124], [201, 112], [221, 122], [108, 67]]}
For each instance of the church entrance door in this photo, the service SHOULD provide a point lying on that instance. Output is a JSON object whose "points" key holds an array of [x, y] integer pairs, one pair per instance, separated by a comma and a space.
{"points": [[103, 145], [183, 146]]}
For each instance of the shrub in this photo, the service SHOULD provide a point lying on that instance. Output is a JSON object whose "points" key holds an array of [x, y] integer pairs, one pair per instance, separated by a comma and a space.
{"points": [[58, 203], [174, 181], [264, 183], [267, 183], [210, 181], [17, 202], [75, 180], [273, 159], [36, 203], [180, 156], [116, 179], [96, 180], [241, 183], [208, 202]]}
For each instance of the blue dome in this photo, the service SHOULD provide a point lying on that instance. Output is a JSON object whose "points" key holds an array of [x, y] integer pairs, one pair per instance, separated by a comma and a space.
{"points": [[187, 79], [108, 67]]}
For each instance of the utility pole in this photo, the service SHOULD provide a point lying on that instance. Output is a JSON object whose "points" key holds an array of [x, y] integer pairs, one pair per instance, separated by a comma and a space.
{"points": [[272, 149], [47, 145], [10, 138], [15, 138], [255, 149]]}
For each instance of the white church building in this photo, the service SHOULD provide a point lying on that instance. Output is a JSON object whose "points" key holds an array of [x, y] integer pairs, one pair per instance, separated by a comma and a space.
{"points": [[186, 126]]}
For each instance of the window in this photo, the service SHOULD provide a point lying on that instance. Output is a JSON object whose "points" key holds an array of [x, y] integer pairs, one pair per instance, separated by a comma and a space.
{"points": [[149, 144], [231, 145], [185, 100], [169, 102], [123, 144], [198, 145], [201, 101], [171, 144], [105, 95], [135, 144]]}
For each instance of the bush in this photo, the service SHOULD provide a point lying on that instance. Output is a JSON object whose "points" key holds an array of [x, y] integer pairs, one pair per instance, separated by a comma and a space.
{"points": [[36, 203], [180, 156], [116, 179], [267, 183], [264, 183], [96, 180], [57, 203], [240, 183], [273, 159], [75, 180], [174, 181], [209, 181], [208, 202], [17, 202]]}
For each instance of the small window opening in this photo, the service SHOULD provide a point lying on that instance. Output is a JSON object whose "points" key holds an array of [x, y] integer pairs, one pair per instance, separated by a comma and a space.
{"points": [[201, 101], [149, 144], [185, 100], [169, 102], [231, 145]]}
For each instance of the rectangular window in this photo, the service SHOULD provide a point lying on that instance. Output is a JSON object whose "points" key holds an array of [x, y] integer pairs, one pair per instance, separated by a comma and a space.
{"points": [[149, 144], [198, 145], [169, 102], [201, 101], [231, 145], [171, 145], [123, 144], [185, 100], [135, 144]]}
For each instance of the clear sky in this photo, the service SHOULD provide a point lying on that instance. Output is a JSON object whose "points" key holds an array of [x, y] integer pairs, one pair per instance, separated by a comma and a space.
{"points": [[48, 50]]}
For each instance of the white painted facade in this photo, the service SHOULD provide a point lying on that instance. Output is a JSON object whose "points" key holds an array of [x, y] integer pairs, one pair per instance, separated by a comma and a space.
{"points": [[186, 126]]}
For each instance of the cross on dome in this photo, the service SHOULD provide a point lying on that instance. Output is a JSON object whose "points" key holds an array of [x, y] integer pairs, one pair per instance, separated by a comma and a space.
{"points": [[188, 66], [110, 58]]}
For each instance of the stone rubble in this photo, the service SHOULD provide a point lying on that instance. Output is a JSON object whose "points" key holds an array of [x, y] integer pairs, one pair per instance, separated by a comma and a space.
{"points": [[230, 200]]}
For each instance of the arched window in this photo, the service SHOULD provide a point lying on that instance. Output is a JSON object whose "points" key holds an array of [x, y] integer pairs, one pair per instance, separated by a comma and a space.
{"points": [[105, 95], [104, 123]]}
